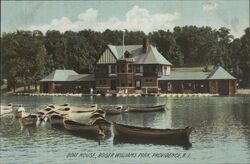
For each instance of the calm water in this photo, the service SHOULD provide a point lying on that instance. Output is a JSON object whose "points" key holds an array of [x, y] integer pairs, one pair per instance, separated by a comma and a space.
{"points": [[222, 132]]}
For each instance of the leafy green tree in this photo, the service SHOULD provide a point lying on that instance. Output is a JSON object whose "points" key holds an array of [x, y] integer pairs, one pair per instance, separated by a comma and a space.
{"points": [[245, 58]]}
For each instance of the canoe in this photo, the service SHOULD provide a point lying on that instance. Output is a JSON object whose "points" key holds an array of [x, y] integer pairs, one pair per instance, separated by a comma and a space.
{"points": [[53, 106], [29, 120], [103, 124], [170, 135], [146, 108], [42, 113], [95, 115], [83, 109], [85, 129], [99, 112], [63, 110], [112, 110], [6, 109], [55, 119]]}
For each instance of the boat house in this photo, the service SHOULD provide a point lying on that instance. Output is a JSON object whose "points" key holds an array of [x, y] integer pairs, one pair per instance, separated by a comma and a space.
{"points": [[140, 69]]}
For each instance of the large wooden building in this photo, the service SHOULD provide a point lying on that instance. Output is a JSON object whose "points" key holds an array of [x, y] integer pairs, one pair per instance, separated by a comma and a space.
{"points": [[130, 68], [142, 68], [138, 68]]}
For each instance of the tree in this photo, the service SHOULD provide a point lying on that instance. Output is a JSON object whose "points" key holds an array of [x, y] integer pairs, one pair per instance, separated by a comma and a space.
{"points": [[245, 58]]}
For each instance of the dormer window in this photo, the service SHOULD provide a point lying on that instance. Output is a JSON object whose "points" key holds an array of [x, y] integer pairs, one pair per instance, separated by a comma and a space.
{"points": [[128, 54]]}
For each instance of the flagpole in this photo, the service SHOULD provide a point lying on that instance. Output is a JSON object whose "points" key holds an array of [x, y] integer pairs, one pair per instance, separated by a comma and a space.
{"points": [[123, 36]]}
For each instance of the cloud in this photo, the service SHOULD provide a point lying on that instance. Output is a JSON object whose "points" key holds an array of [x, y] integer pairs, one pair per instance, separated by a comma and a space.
{"points": [[208, 7], [136, 18]]}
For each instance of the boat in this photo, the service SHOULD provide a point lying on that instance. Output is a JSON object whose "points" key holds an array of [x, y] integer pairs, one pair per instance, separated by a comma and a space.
{"points": [[42, 113], [55, 119], [168, 135], [99, 112], [53, 106], [52, 112], [146, 108], [29, 120], [103, 124], [95, 115], [85, 108], [21, 114], [6, 109], [82, 128], [63, 110], [112, 110]]}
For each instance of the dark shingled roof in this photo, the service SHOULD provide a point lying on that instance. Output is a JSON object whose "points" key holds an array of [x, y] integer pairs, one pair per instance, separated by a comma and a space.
{"points": [[151, 57]]}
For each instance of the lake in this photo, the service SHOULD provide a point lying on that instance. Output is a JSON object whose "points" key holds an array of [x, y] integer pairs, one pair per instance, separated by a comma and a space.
{"points": [[221, 134]]}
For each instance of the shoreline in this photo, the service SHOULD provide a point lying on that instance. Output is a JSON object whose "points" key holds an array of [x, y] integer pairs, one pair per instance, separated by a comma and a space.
{"points": [[238, 93]]}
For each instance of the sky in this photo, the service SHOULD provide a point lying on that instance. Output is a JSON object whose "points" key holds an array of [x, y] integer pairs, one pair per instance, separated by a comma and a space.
{"points": [[140, 15]]}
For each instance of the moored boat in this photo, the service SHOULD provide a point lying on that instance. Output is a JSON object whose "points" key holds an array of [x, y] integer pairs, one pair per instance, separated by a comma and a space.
{"points": [[82, 128], [169, 135], [29, 120], [55, 119], [146, 108], [95, 115], [6, 109], [112, 110], [99, 112], [53, 106], [63, 111], [42, 113], [83, 109]]}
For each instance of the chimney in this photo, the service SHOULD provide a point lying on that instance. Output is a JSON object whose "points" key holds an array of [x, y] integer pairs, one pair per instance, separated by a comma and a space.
{"points": [[146, 44]]}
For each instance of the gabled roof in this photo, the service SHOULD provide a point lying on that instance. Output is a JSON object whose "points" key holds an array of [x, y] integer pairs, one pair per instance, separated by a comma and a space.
{"points": [[220, 73], [217, 74], [151, 57], [59, 75], [81, 77]]}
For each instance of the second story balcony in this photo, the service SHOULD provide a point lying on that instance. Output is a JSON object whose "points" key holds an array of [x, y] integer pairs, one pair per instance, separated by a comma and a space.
{"points": [[152, 74]]}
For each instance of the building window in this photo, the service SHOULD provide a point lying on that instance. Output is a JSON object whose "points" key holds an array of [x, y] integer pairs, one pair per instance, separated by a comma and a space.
{"points": [[130, 68], [100, 82], [138, 69], [137, 83], [119, 68], [104, 82], [117, 82], [188, 85], [113, 69], [169, 86], [123, 83], [123, 68], [130, 83], [146, 80]]}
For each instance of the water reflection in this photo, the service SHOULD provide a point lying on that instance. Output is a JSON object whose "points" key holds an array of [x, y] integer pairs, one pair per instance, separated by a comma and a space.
{"points": [[123, 140]]}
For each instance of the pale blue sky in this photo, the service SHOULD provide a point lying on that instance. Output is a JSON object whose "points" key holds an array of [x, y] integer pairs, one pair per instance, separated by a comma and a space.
{"points": [[132, 15]]}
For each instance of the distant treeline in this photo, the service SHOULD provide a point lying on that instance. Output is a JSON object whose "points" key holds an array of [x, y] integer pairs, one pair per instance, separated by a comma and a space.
{"points": [[28, 56]]}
